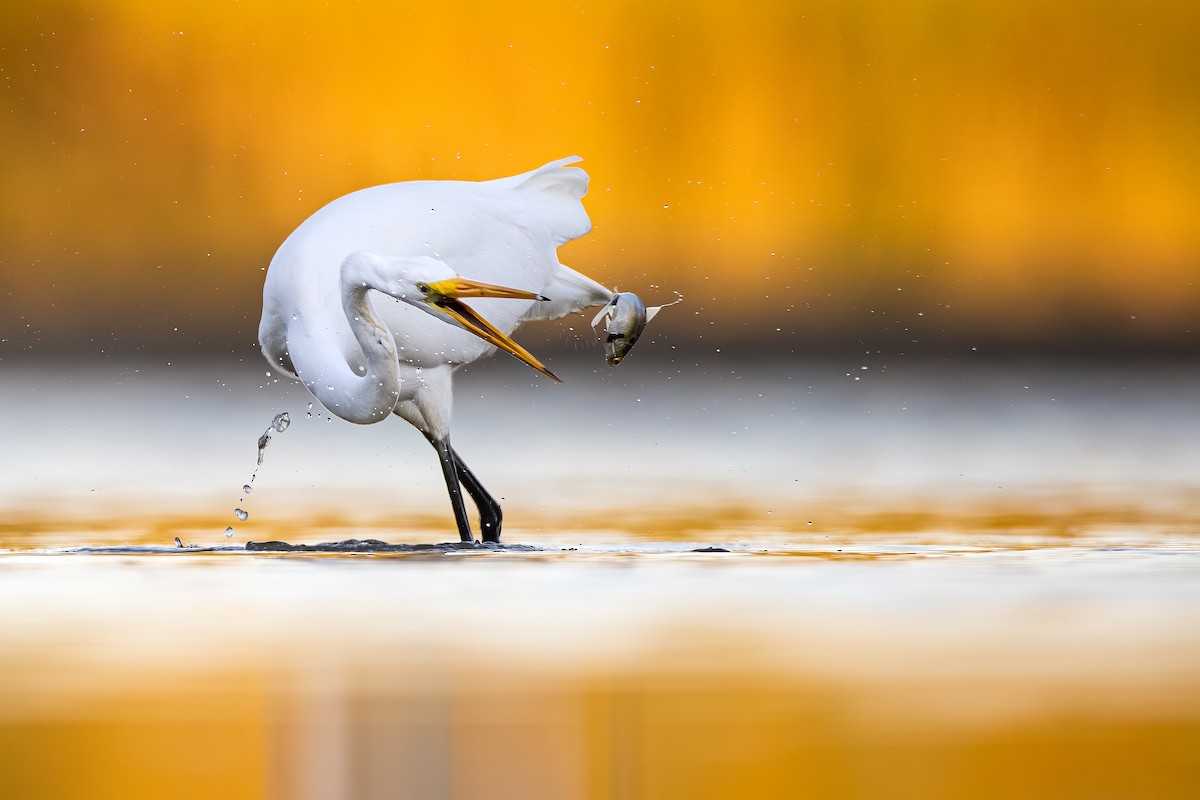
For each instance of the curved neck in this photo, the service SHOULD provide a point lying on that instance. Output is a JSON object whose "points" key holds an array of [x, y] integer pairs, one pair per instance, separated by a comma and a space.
{"points": [[363, 391]]}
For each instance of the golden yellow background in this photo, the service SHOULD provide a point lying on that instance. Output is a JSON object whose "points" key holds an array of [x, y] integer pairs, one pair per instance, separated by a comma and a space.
{"points": [[905, 177], [932, 174]]}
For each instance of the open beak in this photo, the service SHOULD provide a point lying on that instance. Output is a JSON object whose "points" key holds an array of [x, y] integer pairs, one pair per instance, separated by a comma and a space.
{"points": [[446, 297]]}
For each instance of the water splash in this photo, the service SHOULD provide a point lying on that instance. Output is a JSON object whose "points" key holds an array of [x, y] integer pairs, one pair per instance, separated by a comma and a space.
{"points": [[263, 441], [279, 424]]}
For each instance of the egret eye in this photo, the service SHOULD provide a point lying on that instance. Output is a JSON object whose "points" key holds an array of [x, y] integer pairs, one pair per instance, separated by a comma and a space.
{"points": [[423, 288]]}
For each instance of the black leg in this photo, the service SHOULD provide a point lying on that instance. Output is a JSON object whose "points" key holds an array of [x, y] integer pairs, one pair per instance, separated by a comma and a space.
{"points": [[450, 471], [489, 510]]}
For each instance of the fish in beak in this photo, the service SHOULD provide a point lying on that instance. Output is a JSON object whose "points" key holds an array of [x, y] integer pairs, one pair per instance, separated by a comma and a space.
{"points": [[446, 296], [627, 316]]}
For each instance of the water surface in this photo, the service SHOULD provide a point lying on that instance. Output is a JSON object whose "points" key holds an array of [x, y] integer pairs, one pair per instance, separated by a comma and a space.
{"points": [[942, 581]]}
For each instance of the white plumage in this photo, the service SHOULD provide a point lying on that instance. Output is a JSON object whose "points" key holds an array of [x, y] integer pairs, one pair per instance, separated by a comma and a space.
{"points": [[363, 301]]}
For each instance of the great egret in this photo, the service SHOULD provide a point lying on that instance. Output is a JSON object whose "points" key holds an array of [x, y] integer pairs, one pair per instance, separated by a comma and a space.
{"points": [[363, 302]]}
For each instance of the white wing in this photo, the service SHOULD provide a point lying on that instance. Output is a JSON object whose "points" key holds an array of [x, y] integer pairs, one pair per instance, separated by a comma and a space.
{"points": [[503, 231]]}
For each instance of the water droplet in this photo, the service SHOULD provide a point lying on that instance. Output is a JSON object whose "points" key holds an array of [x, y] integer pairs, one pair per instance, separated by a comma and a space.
{"points": [[241, 514], [281, 421], [229, 532], [262, 445], [247, 489]]}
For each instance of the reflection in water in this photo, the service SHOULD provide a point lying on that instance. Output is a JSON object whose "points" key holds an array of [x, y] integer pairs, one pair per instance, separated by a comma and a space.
{"points": [[854, 670], [836, 601]]}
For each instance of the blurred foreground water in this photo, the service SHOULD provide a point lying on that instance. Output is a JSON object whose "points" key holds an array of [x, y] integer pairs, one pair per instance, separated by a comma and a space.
{"points": [[940, 579]]}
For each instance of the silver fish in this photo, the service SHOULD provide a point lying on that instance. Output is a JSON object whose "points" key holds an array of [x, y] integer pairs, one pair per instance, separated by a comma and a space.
{"points": [[627, 317]]}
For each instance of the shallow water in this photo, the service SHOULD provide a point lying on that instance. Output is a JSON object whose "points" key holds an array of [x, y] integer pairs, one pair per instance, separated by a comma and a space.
{"points": [[766, 582]]}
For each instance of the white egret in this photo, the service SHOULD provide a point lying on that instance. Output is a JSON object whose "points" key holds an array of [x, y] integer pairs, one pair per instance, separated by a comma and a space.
{"points": [[363, 302]]}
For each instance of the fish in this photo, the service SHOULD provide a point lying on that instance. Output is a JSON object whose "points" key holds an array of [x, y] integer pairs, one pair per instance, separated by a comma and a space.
{"points": [[627, 316]]}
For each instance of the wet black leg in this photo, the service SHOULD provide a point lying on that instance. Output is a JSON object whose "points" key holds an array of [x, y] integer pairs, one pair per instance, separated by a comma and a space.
{"points": [[451, 472], [489, 510]]}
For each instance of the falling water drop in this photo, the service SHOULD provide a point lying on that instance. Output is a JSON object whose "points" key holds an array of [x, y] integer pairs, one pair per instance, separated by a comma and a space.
{"points": [[262, 445], [279, 424], [229, 532]]}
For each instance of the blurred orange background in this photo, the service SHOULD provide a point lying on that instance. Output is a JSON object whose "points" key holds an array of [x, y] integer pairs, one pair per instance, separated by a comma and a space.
{"points": [[923, 175]]}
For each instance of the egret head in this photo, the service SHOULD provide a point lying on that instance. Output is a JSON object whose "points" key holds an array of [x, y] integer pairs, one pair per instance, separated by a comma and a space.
{"points": [[430, 285]]}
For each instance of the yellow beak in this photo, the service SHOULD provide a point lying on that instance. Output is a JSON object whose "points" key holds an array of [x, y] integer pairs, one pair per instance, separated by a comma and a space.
{"points": [[445, 296]]}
